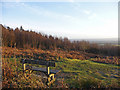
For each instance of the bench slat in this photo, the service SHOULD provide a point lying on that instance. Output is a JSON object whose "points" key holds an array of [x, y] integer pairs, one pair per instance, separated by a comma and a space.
{"points": [[40, 62], [44, 70]]}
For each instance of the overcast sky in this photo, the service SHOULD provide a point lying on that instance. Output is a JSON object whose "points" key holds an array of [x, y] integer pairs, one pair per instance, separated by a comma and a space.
{"points": [[75, 20]]}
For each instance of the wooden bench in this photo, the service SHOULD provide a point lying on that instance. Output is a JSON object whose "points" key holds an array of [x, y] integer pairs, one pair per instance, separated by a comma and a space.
{"points": [[49, 73]]}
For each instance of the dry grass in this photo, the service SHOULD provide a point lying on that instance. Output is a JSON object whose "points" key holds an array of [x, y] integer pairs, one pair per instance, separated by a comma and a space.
{"points": [[13, 76]]}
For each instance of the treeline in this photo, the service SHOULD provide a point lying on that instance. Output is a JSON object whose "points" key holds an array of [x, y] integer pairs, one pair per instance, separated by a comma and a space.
{"points": [[29, 39]]}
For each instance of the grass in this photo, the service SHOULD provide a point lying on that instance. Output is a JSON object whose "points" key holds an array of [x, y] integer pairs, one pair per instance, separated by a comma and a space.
{"points": [[76, 74], [89, 73], [13, 76]]}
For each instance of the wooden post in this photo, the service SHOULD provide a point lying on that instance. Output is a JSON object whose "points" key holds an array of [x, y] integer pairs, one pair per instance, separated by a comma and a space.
{"points": [[24, 67], [48, 76], [48, 70]]}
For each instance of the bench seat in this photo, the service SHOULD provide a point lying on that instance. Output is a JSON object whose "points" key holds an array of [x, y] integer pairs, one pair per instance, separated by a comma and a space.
{"points": [[44, 70]]}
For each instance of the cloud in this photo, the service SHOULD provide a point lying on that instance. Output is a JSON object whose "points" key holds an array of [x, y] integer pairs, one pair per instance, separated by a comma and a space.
{"points": [[50, 14], [92, 16], [67, 16], [87, 12], [13, 4], [70, 0], [39, 11], [76, 5], [17, 0]]}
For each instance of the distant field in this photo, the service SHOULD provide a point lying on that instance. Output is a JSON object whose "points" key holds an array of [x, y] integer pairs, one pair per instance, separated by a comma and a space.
{"points": [[102, 41], [116, 45]]}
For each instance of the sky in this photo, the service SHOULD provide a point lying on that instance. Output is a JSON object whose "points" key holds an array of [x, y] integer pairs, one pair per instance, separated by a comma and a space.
{"points": [[75, 20]]}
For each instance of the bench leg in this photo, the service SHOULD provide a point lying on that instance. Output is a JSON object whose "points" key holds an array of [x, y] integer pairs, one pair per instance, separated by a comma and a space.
{"points": [[50, 79], [24, 68], [51, 76]]}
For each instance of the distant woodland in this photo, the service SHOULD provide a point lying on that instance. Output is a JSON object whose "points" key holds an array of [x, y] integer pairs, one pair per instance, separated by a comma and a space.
{"points": [[30, 39]]}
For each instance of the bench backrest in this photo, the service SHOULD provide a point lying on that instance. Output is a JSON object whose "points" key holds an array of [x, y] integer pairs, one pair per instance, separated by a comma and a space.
{"points": [[40, 62]]}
